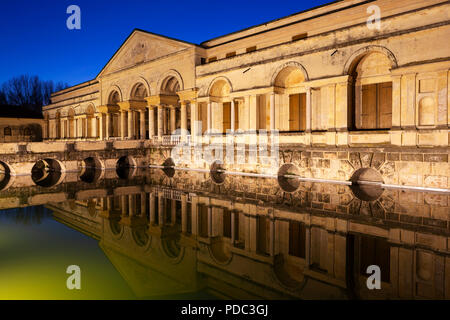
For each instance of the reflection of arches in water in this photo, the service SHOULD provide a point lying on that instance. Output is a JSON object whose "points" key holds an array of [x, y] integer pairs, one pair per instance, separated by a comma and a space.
{"points": [[5, 175], [141, 237], [47, 172], [92, 210], [220, 250], [283, 274], [171, 247], [91, 171], [125, 167], [366, 184], [115, 227], [169, 165]]}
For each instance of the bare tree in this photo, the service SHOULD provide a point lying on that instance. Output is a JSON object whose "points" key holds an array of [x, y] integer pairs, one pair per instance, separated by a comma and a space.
{"points": [[28, 91]]}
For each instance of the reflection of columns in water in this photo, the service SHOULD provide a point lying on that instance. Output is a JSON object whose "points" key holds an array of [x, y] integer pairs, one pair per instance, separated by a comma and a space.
{"points": [[233, 227], [308, 246], [109, 204], [131, 205], [173, 213], [194, 216], [272, 237], [124, 205], [184, 221], [161, 212], [143, 205], [152, 208], [210, 221]]}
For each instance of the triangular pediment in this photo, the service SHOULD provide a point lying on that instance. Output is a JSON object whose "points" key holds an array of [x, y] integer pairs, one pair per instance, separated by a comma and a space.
{"points": [[142, 46]]}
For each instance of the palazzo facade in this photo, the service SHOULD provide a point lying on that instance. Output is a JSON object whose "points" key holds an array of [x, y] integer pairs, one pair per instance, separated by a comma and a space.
{"points": [[325, 79]]}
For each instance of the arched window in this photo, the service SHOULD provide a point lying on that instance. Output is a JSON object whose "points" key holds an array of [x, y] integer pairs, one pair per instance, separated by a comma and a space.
{"points": [[27, 132], [372, 90], [7, 131]]}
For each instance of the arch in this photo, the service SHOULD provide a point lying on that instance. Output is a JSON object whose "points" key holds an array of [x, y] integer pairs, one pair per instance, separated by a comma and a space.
{"points": [[140, 82], [6, 172], [92, 170], [220, 250], [112, 97], [7, 131], [359, 54], [126, 167], [48, 172], [90, 110], [166, 77], [284, 71], [371, 101], [220, 87]]}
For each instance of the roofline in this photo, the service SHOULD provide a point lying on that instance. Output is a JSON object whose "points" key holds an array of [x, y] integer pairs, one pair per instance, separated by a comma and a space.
{"points": [[271, 21], [147, 32], [74, 87]]}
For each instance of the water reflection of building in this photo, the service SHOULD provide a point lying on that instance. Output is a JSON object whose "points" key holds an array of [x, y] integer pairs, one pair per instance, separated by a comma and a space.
{"points": [[164, 241]]}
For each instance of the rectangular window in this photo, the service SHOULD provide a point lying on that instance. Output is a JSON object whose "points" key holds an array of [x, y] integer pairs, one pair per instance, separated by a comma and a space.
{"points": [[202, 220], [263, 235], [297, 112], [375, 251], [226, 116], [376, 108], [297, 239], [212, 59], [299, 36], [227, 223], [230, 54], [250, 49]]}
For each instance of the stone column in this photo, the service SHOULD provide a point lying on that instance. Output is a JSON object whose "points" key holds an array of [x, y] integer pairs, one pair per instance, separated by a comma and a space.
{"points": [[101, 133], [130, 124], [233, 114], [272, 111], [183, 119], [142, 124], [209, 116], [160, 121], [108, 125], [151, 122], [308, 110], [122, 124], [164, 124], [194, 113], [173, 119], [94, 127]]}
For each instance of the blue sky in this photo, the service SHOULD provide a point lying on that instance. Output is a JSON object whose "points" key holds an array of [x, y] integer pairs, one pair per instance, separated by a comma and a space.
{"points": [[36, 41]]}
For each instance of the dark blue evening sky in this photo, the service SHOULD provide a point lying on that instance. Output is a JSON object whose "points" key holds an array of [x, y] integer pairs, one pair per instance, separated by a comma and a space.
{"points": [[35, 40]]}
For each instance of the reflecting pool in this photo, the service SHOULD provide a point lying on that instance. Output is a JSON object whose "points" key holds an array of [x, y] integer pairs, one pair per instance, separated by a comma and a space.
{"points": [[147, 234]]}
